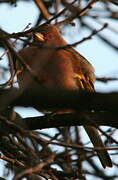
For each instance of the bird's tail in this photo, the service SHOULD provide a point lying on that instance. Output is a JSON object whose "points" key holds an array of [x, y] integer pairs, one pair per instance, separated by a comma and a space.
{"points": [[97, 142]]}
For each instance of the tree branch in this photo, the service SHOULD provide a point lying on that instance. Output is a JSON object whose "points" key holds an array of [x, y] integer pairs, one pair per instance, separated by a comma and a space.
{"points": [[52, 99], [105, 106], [72, 119]]}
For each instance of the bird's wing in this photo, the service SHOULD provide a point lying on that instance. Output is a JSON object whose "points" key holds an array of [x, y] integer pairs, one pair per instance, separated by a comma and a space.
{"points": [[83, 70]]}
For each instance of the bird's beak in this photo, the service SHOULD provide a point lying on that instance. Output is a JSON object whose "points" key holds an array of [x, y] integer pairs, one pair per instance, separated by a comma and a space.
{"points": [[39, 36]]}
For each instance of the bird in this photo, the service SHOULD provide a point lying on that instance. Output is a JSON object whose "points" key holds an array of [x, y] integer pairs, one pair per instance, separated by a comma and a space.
{"points": [[60, 66]]}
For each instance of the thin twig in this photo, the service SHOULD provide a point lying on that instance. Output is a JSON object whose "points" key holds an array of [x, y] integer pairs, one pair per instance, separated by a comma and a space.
{"points": [[34, 169], [75, 146], [13, 161], [106, 79]]}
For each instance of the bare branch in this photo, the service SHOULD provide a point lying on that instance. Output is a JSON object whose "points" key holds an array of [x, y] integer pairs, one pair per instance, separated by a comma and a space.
{"points": [[106, 118], [36, 168], [42, 8]]}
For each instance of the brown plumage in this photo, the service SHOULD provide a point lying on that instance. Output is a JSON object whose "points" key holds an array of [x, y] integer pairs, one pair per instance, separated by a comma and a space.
{"points": [[62, 68]]}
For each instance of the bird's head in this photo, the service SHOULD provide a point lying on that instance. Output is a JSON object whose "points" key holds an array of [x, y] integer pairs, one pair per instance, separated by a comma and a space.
{"points": [[49, 35]]}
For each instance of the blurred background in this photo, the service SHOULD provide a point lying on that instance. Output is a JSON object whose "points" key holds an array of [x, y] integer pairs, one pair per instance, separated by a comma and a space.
{"points": [[101, 49]]}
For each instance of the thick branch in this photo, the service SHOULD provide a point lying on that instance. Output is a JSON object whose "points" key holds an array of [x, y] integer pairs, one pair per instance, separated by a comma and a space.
{"points": [[52, 99], [73, 119], [105, 106]]}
